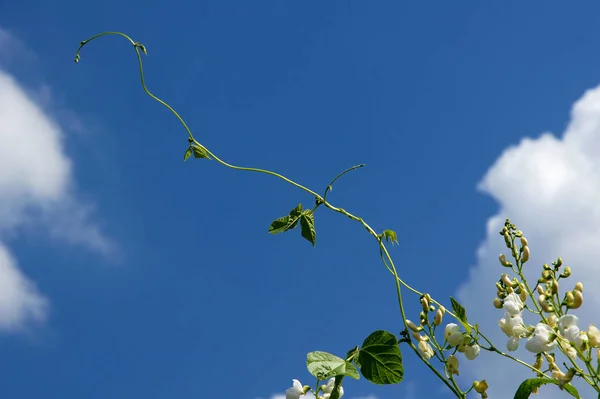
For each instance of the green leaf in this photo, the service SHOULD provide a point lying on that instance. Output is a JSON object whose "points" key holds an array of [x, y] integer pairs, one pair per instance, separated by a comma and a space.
{"points": [[390, 235], [280, 225], [188, 153], [528, 386], [380, 358], [461, 314], [286, 223], [324, 365], [199, 152], [307, 223]]}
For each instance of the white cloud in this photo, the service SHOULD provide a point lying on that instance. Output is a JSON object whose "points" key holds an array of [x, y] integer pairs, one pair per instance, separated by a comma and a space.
{"points": [[36, 186], [549, 187]]}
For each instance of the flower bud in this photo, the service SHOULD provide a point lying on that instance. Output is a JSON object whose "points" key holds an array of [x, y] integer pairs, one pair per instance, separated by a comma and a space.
{"points": [[559, 262], [523, 295], [554, 286], [506, 280], [552, 320], [566, 273], [497, 303], [425, 303], [569, 299], [419, 337], [579, 286], [499, 286], [525, 255], [503, 261], [481, 388], [578, 299], [438, 316], [594, 336], [546, 274], [509, 290], [413, 326], [562, 378], [524, 242], [538, 361], [507, 239], [540, 290], [546, 267], [426, 350]]}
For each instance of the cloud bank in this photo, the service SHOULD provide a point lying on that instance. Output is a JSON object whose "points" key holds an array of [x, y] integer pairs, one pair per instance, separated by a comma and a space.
{"points": [[36, 189], [550, 188]]}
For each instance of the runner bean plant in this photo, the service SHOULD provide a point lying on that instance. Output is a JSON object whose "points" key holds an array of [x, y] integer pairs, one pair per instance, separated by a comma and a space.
{"points": [[440, 347]]}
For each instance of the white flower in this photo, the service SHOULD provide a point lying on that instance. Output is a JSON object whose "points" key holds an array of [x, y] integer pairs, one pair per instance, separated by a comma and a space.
{"points": [[513, 304], [452, 334], [295, 391], [543, 339], [327, 389], [472, 351], [514, 328], [568, 327], [594, 336], [453, 365], [426, 349]]}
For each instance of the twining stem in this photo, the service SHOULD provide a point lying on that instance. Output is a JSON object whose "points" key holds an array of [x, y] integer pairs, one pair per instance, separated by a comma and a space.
{"points": [[385, 256]]}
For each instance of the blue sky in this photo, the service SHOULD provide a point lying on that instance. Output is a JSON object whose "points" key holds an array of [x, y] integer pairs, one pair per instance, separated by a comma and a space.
{"points": [[156, 278]]}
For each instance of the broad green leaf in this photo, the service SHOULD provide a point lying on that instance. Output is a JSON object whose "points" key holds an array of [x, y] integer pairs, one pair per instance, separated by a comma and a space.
{"points": [[380, 358], [286, 223], [297, 211], [280, 225], [324, 365], [528, 386], [200, 152], [461, 314], [307, 223], [188, 153]]}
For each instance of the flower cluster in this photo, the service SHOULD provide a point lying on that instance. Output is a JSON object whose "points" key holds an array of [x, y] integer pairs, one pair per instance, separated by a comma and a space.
{"points": [[297, 390], [557, 328]]}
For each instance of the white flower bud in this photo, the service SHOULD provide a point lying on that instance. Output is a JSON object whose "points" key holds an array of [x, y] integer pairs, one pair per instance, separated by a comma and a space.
{"points": [[471, 351], [577, 299], [579, 286], [524, 242], [540, 290], [413, 326], [525, 255], [426, 349], [497, 303], [438, 316], [523, 295], [506, 280], [594, 336]]}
